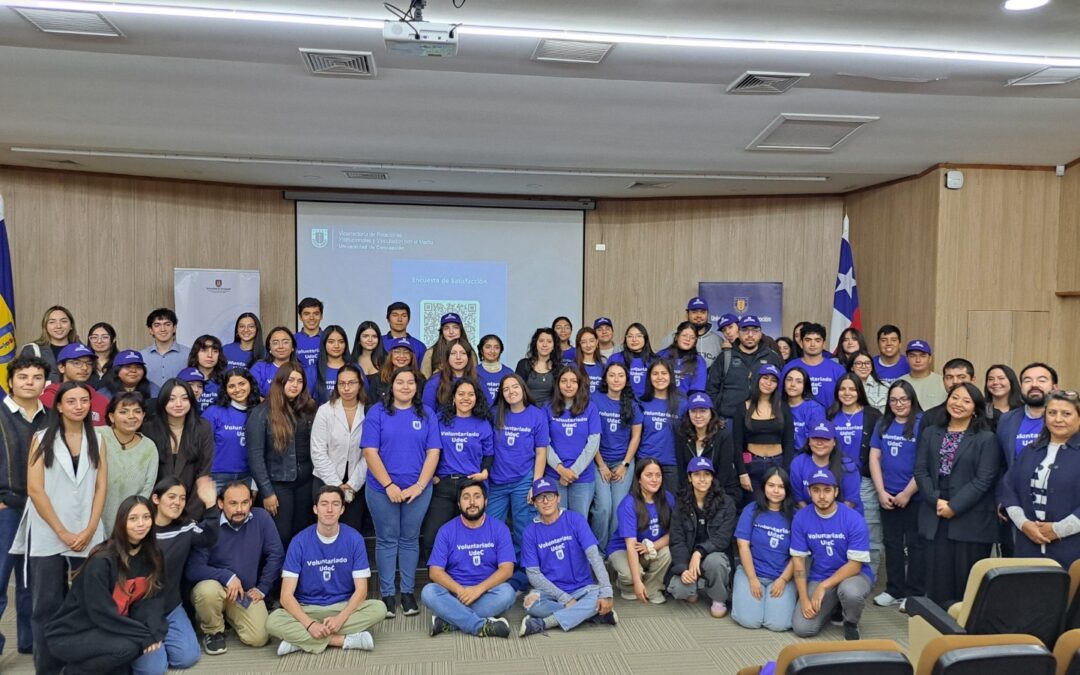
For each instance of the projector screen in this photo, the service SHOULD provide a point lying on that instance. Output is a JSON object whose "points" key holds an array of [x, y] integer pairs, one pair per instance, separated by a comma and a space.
{"points": [[505, 271]]}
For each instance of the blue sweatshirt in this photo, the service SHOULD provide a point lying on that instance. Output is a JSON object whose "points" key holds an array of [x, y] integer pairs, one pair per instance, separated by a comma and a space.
{"points": [[253, 554]]}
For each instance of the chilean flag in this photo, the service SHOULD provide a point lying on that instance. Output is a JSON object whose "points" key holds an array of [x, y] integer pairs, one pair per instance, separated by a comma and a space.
{"points": [[846, 296]]}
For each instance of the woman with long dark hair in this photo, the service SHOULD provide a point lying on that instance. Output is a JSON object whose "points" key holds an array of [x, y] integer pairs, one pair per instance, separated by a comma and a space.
{"points": [[1001, 391], [823, 452], [852, 342], [450, 330], [67, 481], [132, 457], [227, 419], [368, 351], [401, 444], [278, 436], [862, 366], [247, 345], [637, 355], [333, 355], [764, 435], [688, 366], [640, 550], [114, 611], [280, 349], [102, 341], [957, 470], [335, 443], [208, 357], [564, 329], [786, 348], [763, 594], [701, 538], [661, 405], [620, 436], [184, 439], [587, 358], [490, 371], [128, 374], [401, 355], [703, 433], [538, 367], [456, 363], [574, 428], [806, 412]]}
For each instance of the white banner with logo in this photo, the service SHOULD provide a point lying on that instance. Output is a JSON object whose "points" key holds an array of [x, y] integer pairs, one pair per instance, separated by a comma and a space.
{"points": [[208, 301]]}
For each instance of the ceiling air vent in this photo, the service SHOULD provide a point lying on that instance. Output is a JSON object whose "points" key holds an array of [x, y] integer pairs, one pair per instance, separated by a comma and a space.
{"points": [[333, 62], [365, 175], [645, 185], [791, 132], [571, 51], [68, 22], [761, 82], [1045, 76]]}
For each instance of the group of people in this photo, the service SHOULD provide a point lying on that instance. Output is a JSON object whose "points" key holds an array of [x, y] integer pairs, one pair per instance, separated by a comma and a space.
{"points": [[140, 488]]}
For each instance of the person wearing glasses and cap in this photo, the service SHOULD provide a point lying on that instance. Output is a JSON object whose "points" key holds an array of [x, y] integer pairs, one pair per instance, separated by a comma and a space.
{"points": [[570, 584], [76, 364], [837, 542], [928, 385], [128, 374], [709, 342]]}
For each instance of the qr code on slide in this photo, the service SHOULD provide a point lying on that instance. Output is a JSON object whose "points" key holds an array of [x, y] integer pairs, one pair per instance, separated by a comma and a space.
{"points": [[433, 310]]}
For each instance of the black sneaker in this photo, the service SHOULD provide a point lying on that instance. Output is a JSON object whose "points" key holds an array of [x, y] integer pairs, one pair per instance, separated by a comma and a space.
{"points": [[391, 606], [438, 626], [214, 644], [609, 619], [837, 618], [408, 604], [495, 627], [530, 625], [851, 631]]}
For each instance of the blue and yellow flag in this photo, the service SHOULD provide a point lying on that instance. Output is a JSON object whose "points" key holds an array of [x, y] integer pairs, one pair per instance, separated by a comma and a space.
{"points": [[7, 302]]}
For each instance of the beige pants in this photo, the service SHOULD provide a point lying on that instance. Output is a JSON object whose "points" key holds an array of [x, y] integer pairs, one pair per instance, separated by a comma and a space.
{"points": [[212, 609], [283, 626], [652, 571]]}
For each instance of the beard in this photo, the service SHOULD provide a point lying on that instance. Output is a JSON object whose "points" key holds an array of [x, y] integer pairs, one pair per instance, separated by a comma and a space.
{"points": [[1034, 399], [473, 517]]}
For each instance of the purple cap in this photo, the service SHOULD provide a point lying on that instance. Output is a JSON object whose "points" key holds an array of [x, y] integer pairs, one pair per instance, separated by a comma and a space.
{"points": [[602, 321], [698, 401], [726, 320], [449, 318], [74, 351], [697, 303], [128, 357], [190, 375], [542, 485], [749, 321], [769, 369], [822, 477], [402, 342], [823, 429], [700, 464], [919, 346]]}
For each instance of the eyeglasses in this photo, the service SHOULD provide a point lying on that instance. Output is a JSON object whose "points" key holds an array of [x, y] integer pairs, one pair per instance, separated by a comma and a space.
{"points": [[99, 338], [348, 384], [281, 343], [899, 401], [78, 362], [862, 364], [544, 497]]}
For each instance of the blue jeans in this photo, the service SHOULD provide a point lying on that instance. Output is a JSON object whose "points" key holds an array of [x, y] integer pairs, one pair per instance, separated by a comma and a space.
{"points": [[397, 538], [9, 523], [577, 497], [568, 617], [605, 505], [468, 618], [180, 650], [772, 613], [512, 497]]}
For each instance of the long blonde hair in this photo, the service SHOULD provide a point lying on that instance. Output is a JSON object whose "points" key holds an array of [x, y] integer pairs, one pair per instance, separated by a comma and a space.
{"points": [[73, 334]]}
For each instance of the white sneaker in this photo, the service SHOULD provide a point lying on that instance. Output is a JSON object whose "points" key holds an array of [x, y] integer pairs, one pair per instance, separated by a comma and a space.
{"points": [[286, 648], [362, 640], [903, 605], [883, 599]]}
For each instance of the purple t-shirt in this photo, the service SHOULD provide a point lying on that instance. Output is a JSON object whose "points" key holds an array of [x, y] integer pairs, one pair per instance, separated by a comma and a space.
{"points": [[516, 443], [402, 440], [471, 555], [889, 374], [685, 381], [614, 435], [569, 434], [803, 466], [628, 523], [263, 372], [849, 434], [307, 348], [490, 381], [465, 443], [805, 417], [831, 541], [1029, 430], [823, 378], [638, 371], [324, 572], [770, 538], [658, 431], [897, 455], [558, 550]]}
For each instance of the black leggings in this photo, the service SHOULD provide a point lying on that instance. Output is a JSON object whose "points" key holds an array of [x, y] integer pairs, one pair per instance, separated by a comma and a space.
{"points": [[443, 509], [96, 651], [294, 507], [354, 511]]}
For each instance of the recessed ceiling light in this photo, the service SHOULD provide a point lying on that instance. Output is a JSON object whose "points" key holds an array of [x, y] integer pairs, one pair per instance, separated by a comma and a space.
{"points": [[1024, 5]]}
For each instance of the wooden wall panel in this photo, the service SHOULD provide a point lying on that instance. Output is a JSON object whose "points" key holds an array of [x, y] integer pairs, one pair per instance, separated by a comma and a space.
{"points": [[106, 246], [894, 242], [1003, 336], [658, 251], [1068, 245]]}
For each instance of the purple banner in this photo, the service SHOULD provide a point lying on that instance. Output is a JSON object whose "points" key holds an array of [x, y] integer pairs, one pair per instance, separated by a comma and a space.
{"points": [[765, 300]]}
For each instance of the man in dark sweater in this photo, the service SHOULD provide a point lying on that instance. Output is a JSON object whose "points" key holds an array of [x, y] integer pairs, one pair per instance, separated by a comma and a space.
{"points": [[21, 414], [233, 578], [728, 384]]}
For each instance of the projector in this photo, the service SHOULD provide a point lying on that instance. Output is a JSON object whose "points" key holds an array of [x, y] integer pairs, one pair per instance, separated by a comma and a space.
{"points": [[420, 38]]}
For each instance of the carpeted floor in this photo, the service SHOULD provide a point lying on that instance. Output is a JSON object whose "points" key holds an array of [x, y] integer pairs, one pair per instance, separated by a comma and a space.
{"points": [[674, 638]]}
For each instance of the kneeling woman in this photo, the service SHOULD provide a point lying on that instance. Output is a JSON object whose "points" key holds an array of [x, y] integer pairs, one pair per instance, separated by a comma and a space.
{"points": [[639, 550], [701, 537], [115, 610], [764, 594]]}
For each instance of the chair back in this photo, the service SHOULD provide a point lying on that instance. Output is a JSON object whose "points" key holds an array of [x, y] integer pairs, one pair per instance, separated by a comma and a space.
{"points": [[1008, 654]]}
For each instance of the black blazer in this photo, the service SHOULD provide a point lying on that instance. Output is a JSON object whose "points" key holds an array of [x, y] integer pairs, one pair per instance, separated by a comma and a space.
{"points": [[971, 485]]}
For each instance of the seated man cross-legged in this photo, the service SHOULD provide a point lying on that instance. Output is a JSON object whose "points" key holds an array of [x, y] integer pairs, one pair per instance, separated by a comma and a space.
{"points": [[324, 585], [470, 563]]}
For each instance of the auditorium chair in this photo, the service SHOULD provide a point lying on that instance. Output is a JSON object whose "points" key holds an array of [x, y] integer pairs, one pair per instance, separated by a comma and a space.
{"points": [[856, 657], [1005, 654], [1067, 651]]}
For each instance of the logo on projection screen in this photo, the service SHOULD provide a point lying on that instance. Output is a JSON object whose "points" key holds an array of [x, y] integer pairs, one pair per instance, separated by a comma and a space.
{"points": [[320, 237]]}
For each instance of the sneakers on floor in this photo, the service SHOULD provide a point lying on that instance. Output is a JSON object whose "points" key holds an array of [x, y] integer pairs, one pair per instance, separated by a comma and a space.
{"points": [[657, 598], [718, 610], [609, 619], [438, 626], [630, 597], [495, 627], [391, 606], [903, 606], [837, 618], [851, 631], [214, 644], [883, 599], [408, 604], [286, 648], [530, 625], [361, 640]]}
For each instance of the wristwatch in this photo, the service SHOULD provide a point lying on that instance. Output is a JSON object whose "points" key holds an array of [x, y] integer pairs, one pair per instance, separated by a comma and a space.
{"points": [[626, 465]]}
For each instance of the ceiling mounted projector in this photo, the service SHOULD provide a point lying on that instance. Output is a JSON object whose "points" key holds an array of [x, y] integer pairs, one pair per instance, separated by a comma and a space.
{"points": [[420, 38]]}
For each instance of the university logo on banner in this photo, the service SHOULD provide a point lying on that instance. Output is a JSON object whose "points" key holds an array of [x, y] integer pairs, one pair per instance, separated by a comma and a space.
{"points": [[320, 237], [741, 305]]}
